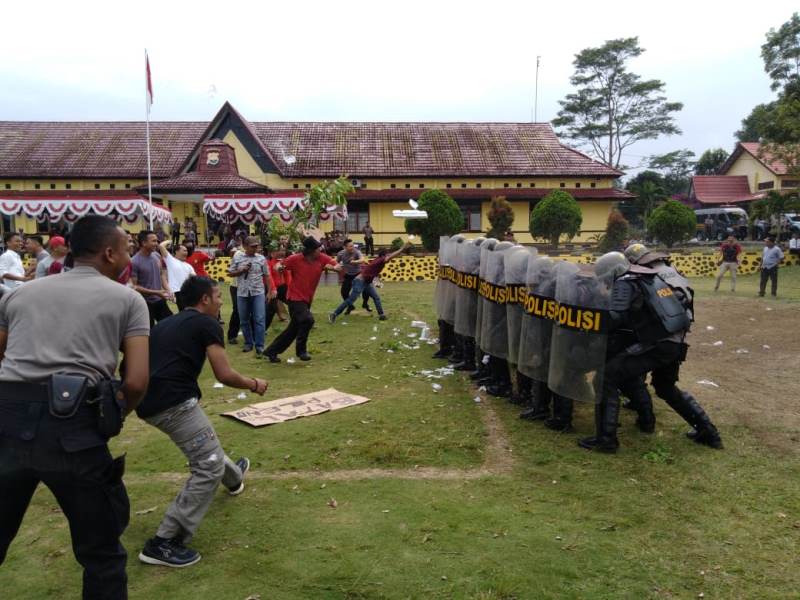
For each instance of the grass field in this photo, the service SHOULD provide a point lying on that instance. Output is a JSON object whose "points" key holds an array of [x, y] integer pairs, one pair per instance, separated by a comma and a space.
{"points": [[439, 496]]}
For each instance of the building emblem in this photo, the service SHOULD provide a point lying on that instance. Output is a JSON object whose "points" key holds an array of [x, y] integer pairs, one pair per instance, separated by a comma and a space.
{"points": [[212, 159]]}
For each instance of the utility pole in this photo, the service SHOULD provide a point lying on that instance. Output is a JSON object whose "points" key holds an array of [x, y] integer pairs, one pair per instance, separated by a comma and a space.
{"points": [[536, 93]]}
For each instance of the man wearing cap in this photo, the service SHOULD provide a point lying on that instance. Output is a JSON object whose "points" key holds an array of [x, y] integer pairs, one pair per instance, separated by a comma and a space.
{"points": [[58, 253], [306, 269]]}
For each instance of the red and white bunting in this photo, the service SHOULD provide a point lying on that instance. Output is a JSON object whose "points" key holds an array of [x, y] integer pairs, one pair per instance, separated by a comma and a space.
{"points": [[72, 209]]}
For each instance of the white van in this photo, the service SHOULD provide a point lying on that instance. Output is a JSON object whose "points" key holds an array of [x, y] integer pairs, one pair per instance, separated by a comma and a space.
{"points": [[727, 221]]}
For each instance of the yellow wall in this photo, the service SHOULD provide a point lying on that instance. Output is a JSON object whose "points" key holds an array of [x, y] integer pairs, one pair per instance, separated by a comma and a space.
{"points": [[756, 172]]}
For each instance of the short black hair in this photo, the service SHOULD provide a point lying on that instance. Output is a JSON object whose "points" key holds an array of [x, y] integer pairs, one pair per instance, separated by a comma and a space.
{"points": [[383, 252], [91, 235], [194, 288], [142, 236], [347, 241], [36, 238], [8, 235]]}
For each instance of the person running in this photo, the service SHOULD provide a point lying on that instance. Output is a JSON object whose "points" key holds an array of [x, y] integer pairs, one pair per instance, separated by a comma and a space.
{"points": [[179, 346], [363, 283], [351, 259], [306, 269]]}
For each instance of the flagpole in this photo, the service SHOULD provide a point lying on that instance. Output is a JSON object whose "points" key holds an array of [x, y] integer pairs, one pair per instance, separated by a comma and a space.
{"points": [[147, 127]]}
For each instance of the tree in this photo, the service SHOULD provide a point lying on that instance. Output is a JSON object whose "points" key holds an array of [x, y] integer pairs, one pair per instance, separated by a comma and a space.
{"points": [[781, 53], [672, 222], [612, 107], [557, 214], [617, 229], [444, 218], [710, 162], [677, 167], [649, 188], [754, 125], [501, 217]]}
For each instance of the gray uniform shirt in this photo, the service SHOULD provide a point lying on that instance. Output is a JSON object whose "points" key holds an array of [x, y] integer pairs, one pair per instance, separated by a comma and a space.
{"points": [[346, 260], [43, 262], [69, 323]]}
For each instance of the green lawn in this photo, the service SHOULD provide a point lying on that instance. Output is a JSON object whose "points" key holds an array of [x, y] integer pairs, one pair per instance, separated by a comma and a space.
{"points": [[438, 496]]}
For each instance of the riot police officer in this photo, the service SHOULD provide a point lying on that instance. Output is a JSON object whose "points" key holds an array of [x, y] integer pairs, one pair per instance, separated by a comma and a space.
{"points": [[56, 363], [659, 314]]}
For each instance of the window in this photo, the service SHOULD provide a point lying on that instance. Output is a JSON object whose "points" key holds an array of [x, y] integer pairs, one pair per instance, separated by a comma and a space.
{"points": [[533, 185], [357, 216], [472, 216], [519, 185], [52, 186], [393, 186], [477, 185], [97, 186], [308, 186], [111, 186], [593, 184], [421, 185], [577, 185], [506, 185], [766, 185], [127, 186], [363, 186], [449, 185], [295, 185], [68, 186], [463, 185], [408, 186], [563, 184], [790, 183], [36, 186], [8, 186]]}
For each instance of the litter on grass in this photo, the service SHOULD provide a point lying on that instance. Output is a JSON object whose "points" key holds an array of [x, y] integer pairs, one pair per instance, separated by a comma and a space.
{"points": [[710, 327], [717, 343], [372, 339], [290, 360], [218, 385], [708, 382], [419, 324], [242, 396], [477, 399], [742, 351], [765, 347], [286, 409], [436, 387]]}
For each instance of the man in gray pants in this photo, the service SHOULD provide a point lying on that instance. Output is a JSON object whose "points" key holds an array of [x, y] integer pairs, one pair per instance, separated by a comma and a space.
{"points": [[178, 349]]}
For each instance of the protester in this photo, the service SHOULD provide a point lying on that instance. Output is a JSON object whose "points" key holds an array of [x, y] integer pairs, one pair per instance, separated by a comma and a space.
{"points": [[178, 350], [178, 270], [196, 258], [73, 325], [34, 245], [369, 240], [58, 254], [770, 260], [729, 261], [363, 283], [280, 279], [149, 278], [305, 269], [234, 324], [350, 259], [252, 280], [12, 271]]}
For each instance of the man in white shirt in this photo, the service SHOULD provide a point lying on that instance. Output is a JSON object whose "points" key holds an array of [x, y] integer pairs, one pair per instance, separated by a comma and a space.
{"points": [[12, 273], [178, 270]]}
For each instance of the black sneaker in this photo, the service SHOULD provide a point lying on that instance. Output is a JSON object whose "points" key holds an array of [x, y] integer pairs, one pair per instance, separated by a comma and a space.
{"points": [[168, 553], [366, 307], [259, 352], [348, 310], [332, 317], [246, 348], [271, 357], [305, 356], [244, 466], [233, 341], [383, 317]]}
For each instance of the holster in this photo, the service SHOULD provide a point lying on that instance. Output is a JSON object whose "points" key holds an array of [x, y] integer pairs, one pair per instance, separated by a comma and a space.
{"points": [[67, 392], [110, 407]]}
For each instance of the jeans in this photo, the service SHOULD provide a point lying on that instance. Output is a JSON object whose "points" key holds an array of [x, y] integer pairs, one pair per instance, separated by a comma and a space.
{"points": [[359, 287], [768, 274], [73, 461], [252, 307], [347, 286], [233, 324], [300, 323], [189, 428]]}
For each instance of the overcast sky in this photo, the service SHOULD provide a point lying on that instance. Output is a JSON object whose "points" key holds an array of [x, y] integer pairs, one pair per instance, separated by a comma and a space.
{"points": [[373, 61]]}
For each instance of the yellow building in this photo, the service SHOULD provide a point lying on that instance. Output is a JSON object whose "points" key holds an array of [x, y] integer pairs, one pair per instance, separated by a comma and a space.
{"points": [[388, 163]]}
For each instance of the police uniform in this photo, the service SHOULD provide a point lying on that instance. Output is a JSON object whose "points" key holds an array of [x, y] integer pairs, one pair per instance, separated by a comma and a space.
{"points": [[659, 315], [51, 332]]}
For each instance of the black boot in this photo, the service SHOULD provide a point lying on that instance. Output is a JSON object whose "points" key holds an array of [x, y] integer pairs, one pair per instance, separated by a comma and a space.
{"points": [[445, 340], [540, 406], [501, 384], [639, 396], [562, 415], [468, 363], [606, 417], [458, 348], [522, 395], [704, 430]]}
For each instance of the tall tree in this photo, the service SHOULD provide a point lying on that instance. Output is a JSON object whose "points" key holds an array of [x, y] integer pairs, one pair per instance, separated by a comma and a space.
{"points": [[710, 162], [612, 107], [677, 167], [650, 189], [781, 53], [754, 125]]}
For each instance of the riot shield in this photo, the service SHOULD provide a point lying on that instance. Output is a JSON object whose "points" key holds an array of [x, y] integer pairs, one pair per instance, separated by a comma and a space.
{"points": [[467, 287], [438, 294], [487, 248], [516, 268], [454, 245], [580, 333], [534, 343], [494, 335]]}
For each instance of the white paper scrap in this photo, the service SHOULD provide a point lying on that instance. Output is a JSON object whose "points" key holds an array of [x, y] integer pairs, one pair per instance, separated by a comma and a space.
{"points": [[708, 382], [218, 385]]}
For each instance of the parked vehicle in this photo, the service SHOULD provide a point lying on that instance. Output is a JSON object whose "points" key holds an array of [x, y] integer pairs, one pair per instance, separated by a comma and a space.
{"points": [[723, 221]]}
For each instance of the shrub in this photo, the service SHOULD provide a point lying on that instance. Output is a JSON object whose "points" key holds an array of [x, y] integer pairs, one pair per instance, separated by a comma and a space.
{"points": [[501, 217], [617, 231], [672, 222], [444, 218], [396, 244], [557, 214]]}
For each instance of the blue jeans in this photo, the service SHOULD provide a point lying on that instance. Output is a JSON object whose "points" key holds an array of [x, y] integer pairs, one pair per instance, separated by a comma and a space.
{"points": [[360, 286], [255, 308]]}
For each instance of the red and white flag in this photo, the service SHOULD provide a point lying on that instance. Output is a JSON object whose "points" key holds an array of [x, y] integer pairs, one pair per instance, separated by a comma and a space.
{"points": [[149, 81]]}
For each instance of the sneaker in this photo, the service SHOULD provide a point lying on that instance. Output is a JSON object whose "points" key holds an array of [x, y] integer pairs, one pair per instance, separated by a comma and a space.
{"points": [[332, 317], [366, 307], [271, 357], [348, 310], [304, 356], [246, 348], [259, 352], [168, 553], [382, 318], [233, 341], [244, 466]]}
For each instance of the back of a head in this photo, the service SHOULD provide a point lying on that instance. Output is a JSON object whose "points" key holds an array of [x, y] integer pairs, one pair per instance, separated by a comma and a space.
{"points": [[195, 287], [91, 235]]}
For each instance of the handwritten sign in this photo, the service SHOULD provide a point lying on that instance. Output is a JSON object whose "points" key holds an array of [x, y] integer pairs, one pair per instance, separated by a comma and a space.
{"points": [[295, 407]]}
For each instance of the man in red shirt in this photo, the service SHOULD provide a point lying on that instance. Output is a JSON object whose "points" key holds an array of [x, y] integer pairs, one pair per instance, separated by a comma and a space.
{"points": [[729, 261], [305, 269], [196, 258], [363, 283]]}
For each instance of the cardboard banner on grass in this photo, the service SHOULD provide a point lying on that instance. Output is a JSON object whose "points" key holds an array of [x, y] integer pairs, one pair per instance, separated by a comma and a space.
{"points": [[294, 407]]}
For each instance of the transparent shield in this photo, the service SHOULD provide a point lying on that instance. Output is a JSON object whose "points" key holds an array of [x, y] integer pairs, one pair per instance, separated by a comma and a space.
{"points": [[438, 294], [454, 246], [486, 249], [516, 268], [467, 293], [494, 336], [536, 328]]}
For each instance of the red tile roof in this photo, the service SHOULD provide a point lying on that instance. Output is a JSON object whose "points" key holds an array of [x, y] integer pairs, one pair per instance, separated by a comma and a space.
{"points": [[424, 150], [778, 167], [721, 189], [117, 149]]}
